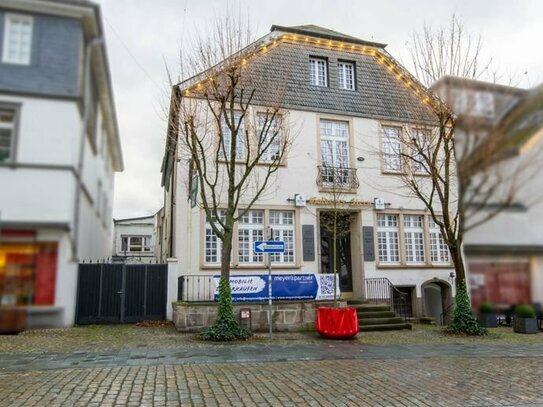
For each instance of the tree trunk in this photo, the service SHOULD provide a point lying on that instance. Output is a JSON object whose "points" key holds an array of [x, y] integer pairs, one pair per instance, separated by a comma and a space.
{"points": [[458, 262], [226, 254]]}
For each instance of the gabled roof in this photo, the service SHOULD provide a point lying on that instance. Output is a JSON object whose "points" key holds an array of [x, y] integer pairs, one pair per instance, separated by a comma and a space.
{"points": [[325, 33]]}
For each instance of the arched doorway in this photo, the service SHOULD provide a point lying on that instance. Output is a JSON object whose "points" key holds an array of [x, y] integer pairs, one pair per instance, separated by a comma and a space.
{"points": [[437, 300]]}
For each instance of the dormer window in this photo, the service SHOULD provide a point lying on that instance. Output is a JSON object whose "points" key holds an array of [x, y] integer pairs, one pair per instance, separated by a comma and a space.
{"points": [[318, 71], [17, 39], [345, 75]]}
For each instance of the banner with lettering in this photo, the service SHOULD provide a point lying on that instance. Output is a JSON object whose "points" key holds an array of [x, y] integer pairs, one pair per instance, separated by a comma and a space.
{"points": [[286, 287]]}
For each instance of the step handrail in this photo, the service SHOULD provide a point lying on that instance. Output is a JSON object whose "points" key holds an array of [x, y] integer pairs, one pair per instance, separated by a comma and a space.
{"points": [[381, 289]]}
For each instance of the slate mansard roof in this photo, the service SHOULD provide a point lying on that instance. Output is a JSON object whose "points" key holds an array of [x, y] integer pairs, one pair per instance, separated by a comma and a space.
{"points": [[381, 90]]}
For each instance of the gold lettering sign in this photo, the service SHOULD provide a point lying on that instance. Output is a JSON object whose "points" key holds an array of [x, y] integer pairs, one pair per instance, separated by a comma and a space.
{"points": [[327, 201]]}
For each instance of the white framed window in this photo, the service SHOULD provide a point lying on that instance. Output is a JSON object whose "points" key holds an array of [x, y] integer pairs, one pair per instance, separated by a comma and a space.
{"points": [[136, 244], [439, 252], [269, 134], [250, 230], [7, 133], [345, 75], [413, 226], [334, 142], [224, 152], [422, 137], [387, 238], [483, 104], [213, 245], [459, 100], [17, 46], [318, 68], [282, 225], [391, 148]]}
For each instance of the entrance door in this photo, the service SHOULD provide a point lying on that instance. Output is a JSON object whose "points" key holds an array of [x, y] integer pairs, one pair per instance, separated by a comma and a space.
{"points": [[343, 252]]}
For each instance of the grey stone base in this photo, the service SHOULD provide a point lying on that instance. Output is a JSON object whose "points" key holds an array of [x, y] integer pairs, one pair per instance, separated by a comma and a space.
{"points": [[287, 316]]}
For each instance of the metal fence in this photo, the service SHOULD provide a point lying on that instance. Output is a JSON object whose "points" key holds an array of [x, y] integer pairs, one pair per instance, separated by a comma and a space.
{"points": [[195, 288], [382, 291]]}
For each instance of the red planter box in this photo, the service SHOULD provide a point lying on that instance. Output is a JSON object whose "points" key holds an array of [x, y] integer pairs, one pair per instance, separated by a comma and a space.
{"points": [[337, 323]]}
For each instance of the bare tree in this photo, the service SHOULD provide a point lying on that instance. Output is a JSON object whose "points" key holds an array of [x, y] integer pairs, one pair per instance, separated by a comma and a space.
{"points": [[470, 173], [233, 145]]}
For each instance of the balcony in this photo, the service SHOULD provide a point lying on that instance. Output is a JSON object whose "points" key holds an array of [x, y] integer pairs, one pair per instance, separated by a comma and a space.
{"points": [[337, 178]]}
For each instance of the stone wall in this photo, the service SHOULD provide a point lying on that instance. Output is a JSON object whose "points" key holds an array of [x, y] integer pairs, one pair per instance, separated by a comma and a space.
{"points": [[287, 316]]}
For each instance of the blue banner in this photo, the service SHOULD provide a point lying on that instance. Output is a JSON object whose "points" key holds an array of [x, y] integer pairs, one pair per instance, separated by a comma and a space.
{"points": [[286, 287]]}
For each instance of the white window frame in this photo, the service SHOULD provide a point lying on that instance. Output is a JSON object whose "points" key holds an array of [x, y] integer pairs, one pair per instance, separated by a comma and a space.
{"points": [[273, 129], [413, 226], [388, 238], [483, 103], [250, 230], [335, 151], [439, 252], [9, 20], [283, 226], [391, 147], [212, 243], [11, 127], [416, 166], [346, 75], [224, 153], [318, 68], [145, 244]]}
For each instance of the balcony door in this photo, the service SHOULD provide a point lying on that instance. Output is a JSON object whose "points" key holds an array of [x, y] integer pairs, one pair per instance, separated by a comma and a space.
{"points": [[334, 143]]}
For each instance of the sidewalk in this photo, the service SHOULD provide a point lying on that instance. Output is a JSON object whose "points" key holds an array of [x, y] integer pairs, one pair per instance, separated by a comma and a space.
{"points": [[256, 353]]}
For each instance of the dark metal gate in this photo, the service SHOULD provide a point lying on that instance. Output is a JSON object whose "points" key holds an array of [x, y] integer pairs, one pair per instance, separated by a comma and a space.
{"points": [[120, 293]]}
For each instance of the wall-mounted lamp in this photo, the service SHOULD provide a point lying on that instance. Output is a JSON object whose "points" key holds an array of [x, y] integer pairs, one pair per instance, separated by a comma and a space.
{"points": [[360, 159]]}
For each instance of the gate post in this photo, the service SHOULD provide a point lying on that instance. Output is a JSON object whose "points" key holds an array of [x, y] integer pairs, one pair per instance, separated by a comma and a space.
{"points": [[123, 289]]}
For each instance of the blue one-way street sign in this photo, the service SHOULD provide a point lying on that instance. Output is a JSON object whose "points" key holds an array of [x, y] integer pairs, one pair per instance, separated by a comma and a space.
{"points": [[271, 246]]}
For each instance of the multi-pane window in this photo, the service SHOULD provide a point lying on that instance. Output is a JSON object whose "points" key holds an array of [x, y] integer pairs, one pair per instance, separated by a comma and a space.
{"points": [[7, 133], [269, 136], [345, 74], [334, 151], [392, 160], [282, 224], [414, 238], [438, 248], [483, 104], [421, 139], [250, 230], [17, 45], [227, 137], [387, 238], [136, 244], [213, 244], [318, 71]]}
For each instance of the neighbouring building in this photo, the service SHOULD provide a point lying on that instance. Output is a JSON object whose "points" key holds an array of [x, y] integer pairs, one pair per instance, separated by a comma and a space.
{"points": [[505, 254], [59, 151], [350, 103], [135, 239]]}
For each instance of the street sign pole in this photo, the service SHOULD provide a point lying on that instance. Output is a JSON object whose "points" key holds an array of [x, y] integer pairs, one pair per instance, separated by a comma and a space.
{"points": [[269, 247], [270, 295]]}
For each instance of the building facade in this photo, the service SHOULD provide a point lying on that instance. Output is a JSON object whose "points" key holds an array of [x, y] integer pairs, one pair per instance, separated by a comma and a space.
{"points": [[504, 254], [349, 103], [59, 150], [135, 239]]}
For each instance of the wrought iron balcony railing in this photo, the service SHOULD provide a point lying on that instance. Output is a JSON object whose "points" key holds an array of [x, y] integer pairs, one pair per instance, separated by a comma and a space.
{"points": [[337, 177]]}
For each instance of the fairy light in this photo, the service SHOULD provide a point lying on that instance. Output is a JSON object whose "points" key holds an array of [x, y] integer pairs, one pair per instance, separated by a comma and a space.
{"points": [[389, 64]]}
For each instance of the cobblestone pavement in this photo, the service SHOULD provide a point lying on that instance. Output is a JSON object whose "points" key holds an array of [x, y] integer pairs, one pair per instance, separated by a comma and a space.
{"points": [[341, 374], [456, 381]]}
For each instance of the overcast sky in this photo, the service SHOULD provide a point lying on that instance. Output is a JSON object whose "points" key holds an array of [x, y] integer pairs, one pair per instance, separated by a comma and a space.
{"points": [[145, 36]]}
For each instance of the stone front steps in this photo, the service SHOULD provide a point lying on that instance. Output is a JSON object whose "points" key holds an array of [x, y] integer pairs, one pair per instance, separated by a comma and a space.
{"points": [[377, 317]]}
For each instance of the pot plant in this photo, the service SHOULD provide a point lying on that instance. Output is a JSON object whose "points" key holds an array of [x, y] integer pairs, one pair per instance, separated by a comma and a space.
{"points": [[525, 320], [487, 315]]}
